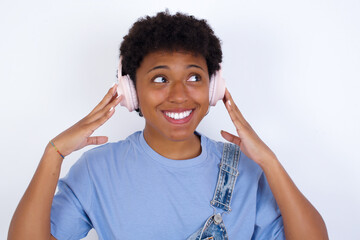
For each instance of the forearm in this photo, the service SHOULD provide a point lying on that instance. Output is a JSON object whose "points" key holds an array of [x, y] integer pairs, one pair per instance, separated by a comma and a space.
{"points": [[301, 219], [31, 219]]}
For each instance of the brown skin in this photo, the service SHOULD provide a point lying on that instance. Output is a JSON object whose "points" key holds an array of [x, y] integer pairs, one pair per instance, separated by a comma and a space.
{"points": [[179, 142], [31, 219], [301, 219], [180, 81]]}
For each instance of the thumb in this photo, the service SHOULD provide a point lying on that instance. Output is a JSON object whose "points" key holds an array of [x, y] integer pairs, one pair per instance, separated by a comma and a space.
{"points": [[92, 141], [230, 137], [97, 140]]}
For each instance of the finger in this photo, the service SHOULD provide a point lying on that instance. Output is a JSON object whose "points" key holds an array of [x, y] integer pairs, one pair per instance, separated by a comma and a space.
{"points": [[99, 121], [234, 117], [225, 97], [105, 110], [110, 95], [234, 112], [229, 99], [231, 138]]}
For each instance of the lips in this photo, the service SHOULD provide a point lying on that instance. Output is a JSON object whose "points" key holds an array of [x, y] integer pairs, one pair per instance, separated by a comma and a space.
{"points": [[178, 116]]}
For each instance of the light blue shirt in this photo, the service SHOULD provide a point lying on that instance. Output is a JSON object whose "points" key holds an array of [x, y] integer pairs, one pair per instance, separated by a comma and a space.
{"points": [[126, 190]]}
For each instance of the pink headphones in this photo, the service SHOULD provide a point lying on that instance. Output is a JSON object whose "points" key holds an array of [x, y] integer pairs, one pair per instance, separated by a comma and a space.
{"points": [[126, 87]]}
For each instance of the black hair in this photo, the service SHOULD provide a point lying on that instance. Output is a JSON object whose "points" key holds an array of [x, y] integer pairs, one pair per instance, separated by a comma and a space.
{"points": [[166, 32]]}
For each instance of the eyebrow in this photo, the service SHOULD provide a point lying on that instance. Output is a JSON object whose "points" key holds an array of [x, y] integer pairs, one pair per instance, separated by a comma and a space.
{"points": [[166, 67]]}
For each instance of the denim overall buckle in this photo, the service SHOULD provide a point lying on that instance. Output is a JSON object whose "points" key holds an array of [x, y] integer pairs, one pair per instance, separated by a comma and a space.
{"points": [[214, 227]]}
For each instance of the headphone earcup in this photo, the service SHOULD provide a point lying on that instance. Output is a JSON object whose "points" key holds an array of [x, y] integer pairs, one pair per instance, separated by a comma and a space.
{"points": [[127, 89], [216, 88]]}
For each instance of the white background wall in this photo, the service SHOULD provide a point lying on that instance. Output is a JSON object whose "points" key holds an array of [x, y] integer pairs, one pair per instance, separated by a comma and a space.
{"points": [[292, 67]]}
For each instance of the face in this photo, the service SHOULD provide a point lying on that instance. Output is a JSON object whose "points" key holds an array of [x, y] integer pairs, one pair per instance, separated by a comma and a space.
{"points": [[173, 94]]}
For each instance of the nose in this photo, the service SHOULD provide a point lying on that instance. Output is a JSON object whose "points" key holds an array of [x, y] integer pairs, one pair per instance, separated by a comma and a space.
{"points": [[178, 92]]}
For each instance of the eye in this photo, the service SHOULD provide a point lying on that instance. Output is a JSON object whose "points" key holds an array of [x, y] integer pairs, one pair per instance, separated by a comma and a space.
{"points": [[159, 79], [194, 78]]}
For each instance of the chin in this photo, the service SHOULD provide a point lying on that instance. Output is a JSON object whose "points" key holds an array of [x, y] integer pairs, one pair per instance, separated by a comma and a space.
{"points": [[180, 135]]}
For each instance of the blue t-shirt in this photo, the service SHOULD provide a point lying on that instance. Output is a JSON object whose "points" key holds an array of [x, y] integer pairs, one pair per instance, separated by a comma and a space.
{"points": [[126, 190]]}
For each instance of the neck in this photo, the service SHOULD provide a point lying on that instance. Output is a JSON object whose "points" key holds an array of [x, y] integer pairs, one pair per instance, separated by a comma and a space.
{"points": [[173, 149]]}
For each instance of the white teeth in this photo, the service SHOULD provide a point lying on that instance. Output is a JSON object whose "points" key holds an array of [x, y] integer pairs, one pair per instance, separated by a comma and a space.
{"points": [[178, 115]]}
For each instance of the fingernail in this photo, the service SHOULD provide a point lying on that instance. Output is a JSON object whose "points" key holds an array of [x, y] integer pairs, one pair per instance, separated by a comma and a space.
{"points": [[114, 83], [115, 89], [111, 109], [229, 102]]}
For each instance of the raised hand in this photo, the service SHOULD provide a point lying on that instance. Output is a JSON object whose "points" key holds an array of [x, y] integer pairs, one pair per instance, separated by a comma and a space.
{"points": [[301, 219], [248, 141], [79, 135]]}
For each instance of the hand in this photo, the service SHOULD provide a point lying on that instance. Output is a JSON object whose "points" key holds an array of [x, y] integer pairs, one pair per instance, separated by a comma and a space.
{"points": [[248, 141], [78, 136]]}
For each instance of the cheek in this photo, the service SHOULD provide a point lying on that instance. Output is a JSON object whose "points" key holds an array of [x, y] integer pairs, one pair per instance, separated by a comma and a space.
{"points": [[149, 98], [200, 95]]}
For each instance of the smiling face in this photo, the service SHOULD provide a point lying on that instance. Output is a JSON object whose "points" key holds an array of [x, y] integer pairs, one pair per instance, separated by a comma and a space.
{"points": [[173, 94]]}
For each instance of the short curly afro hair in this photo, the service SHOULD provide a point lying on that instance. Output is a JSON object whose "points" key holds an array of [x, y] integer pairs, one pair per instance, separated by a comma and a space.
{"points": [[166, 32]]}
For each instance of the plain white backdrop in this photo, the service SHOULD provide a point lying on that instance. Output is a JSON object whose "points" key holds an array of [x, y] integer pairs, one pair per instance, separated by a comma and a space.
{"points": [[293, 68]]}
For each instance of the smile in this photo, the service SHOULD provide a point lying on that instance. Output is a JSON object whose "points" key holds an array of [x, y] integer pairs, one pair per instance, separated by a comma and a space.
{"points": [[178, 115]]}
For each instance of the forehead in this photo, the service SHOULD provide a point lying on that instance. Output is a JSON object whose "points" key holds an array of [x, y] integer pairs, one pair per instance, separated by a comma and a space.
{"points": [[172, 58]]}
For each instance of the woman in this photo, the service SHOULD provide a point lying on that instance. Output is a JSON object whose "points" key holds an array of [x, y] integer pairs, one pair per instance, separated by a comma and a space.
{"points": [[165, 182]]}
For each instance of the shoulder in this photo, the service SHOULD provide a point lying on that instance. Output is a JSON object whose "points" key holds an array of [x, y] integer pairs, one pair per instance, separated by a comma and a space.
{"points": [[108, 154], [211, 146]]}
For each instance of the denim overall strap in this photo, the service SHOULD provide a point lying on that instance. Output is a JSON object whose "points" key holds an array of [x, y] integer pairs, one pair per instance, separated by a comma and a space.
{"points": [[227, 177], [214, 227]]}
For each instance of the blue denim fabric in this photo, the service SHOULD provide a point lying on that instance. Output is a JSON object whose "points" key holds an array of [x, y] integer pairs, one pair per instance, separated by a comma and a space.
{"points": [[214, 227]]}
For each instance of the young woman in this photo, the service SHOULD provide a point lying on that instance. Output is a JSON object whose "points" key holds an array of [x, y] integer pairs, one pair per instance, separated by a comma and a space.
{"points": [[168, 181]]}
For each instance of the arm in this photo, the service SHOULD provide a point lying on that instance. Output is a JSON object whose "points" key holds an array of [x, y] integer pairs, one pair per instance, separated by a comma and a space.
{"points": [[32, 216], [301, 219], [31, 219]]}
